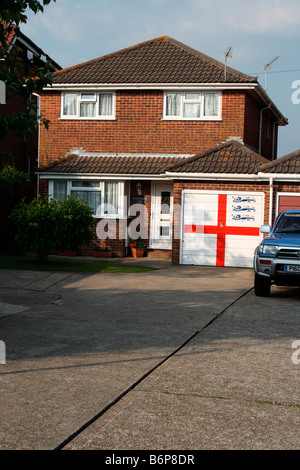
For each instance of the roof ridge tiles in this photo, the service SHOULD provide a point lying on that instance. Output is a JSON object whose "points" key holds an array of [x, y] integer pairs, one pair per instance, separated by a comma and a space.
{"points": [[281, 160], [238, 146]]}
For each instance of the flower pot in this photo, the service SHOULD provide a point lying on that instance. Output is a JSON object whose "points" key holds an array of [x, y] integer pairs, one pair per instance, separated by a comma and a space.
{"points": [[137, 252], [102, 254]]}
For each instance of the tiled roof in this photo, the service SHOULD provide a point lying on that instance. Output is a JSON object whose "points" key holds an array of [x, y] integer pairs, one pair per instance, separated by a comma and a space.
{"points": [[13, 33], [111, 164], [231, 157], [289, 164], [160, 60]]}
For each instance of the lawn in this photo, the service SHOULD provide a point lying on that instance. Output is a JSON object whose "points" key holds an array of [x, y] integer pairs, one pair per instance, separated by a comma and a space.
{"points": [[69, 265]]}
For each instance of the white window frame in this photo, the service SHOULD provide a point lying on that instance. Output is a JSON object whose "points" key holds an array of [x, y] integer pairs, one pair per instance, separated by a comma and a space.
{"points": [[200, 100], [95, 100], [101, 188]]}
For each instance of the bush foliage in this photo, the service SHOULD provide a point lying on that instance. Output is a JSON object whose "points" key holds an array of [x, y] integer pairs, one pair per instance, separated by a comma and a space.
{"points": [[45, 225]]}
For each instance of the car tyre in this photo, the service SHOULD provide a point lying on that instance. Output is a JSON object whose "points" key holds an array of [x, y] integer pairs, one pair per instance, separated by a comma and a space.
{"points": [[262, 286]]}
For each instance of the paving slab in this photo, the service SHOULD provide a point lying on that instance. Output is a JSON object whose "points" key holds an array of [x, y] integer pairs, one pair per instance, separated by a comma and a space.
{"points": [[88, 339], [234, 386]]}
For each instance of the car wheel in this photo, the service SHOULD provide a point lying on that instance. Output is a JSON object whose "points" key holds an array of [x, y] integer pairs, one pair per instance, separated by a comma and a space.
{"points": [[262, 286]]}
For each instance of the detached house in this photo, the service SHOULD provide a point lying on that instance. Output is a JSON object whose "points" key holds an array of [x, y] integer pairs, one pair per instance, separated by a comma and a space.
{"points": [[162, 138], [30, 58]]}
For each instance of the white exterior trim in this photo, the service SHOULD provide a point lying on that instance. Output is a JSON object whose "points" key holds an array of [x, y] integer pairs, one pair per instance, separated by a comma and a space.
{"points": [[149, 86], [280, 176], [74, 176], [213, 176]]}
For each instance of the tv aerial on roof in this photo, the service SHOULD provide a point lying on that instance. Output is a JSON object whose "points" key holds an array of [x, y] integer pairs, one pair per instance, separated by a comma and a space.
{"points": [[268, 66], [227, 55]]}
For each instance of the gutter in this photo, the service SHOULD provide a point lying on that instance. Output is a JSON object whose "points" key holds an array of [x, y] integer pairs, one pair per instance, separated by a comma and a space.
{"points": [[212, 176], [280, 176], [150, 86], [271, 200], [87, 176]]}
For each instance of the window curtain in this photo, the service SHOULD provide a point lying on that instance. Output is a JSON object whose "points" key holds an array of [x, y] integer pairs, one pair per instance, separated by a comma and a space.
{"points": [[105, 104], [70, 104], [111, 197], [191, 110], [59, 190], [211, 104], [173, 104], [92, 197], [87, 109]]}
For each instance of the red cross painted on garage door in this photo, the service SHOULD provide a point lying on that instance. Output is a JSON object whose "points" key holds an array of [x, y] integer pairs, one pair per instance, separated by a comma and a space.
{"points": [[221, 229]]}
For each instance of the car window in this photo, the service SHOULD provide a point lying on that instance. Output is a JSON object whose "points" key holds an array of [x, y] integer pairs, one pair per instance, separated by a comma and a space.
{"points": [[288, 223]]}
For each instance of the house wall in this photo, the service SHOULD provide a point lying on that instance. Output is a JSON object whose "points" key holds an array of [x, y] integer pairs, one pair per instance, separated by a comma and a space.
{"points": [[252, 128], [118, 244], [24, 154], [139, 127]]}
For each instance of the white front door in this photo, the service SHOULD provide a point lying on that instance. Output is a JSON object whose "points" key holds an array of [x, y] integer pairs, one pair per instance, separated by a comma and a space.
{"points": [[161, 216]]}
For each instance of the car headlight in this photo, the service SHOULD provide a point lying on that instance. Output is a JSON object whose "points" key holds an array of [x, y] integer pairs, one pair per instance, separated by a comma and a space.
{"points": [[269, 249]]}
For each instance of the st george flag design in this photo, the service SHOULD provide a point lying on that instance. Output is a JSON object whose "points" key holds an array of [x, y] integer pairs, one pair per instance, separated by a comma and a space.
{"points": [[225, 233]]}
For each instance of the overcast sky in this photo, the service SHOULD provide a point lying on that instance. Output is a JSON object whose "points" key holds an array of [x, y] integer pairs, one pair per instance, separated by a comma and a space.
{"points": [[73, 31]]}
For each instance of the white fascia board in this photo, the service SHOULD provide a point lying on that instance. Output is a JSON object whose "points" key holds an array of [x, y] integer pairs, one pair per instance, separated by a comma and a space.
{"points": [[74, 176], [150, 86], [212, 176], [280, 176]]}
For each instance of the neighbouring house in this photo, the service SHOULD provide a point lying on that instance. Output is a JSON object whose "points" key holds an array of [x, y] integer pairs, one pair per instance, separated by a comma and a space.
{"points": [[163, 139], [25, 154]]}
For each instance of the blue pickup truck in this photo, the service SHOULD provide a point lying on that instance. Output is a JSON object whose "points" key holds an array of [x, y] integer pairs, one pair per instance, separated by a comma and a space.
{"points": [[277, 258]]}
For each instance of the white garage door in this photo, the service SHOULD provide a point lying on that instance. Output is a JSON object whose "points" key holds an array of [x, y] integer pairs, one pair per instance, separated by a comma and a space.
{"points": [[220, 228]]}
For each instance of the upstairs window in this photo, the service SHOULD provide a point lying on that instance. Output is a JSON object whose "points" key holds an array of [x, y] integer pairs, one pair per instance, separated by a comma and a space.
{"points": [[88, 105], [192, 106]]}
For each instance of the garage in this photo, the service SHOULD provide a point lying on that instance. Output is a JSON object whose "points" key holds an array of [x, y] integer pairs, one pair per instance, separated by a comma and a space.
{"points": [[220, 228], [287, 201]]}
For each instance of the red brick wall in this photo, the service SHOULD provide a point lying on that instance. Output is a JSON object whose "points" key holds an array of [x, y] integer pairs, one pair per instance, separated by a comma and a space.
{"points": [[16, 147], [252, 125], [138, 127]]}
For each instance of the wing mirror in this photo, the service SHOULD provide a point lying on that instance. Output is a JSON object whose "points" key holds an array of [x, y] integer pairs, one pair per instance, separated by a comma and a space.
{"points": [[265, 228]]}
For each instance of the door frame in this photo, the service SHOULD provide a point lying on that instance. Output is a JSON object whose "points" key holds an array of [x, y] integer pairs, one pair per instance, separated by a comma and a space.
{"points": [[156, 188]]}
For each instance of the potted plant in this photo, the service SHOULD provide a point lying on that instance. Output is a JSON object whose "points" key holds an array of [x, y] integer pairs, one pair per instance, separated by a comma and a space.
{"points": [[137, 248], [99, 252], [67, 253]]}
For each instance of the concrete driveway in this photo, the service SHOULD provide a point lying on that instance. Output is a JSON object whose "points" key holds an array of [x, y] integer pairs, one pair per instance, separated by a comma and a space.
{"points": [[185, 357]]}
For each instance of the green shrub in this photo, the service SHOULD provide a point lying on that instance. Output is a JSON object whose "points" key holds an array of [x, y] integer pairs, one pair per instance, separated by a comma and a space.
{"points": [[45, 225]]}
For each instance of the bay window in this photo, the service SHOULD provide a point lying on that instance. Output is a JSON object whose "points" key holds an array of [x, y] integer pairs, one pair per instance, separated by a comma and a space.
{"points": [[192, 105], [104, 197], [88, 105]]}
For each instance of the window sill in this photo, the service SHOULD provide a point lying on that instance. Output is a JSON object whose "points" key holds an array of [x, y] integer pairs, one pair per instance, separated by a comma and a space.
{"points": [[87, 118], [111, 217], [192, 119]]}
